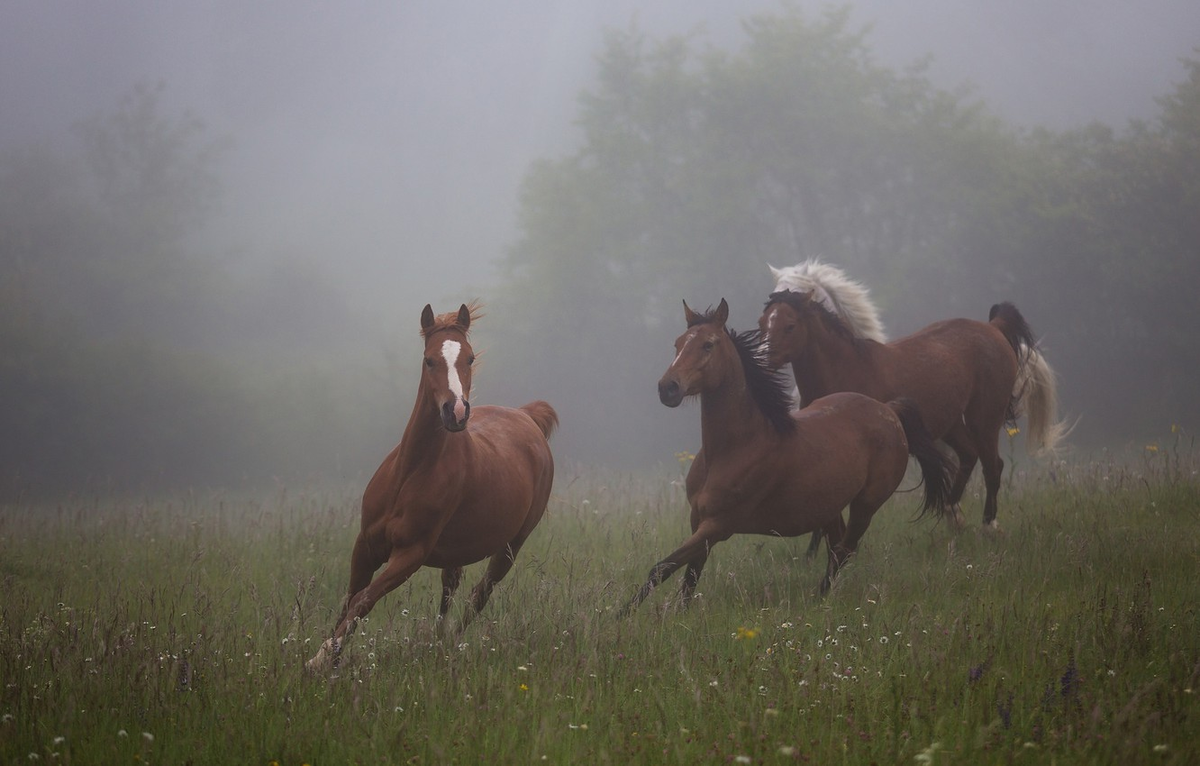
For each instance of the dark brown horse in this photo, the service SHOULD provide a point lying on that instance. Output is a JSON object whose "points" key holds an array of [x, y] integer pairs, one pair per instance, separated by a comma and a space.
{"points": [[764, 469], [463, 485], [967, 378]]}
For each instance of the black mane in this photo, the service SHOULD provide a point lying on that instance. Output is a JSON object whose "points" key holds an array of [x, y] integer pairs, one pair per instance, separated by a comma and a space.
{"points": [[768, 388]]}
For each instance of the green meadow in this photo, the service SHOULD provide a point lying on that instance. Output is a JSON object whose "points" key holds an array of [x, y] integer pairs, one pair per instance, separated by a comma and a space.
{"points": [[174, 630]]}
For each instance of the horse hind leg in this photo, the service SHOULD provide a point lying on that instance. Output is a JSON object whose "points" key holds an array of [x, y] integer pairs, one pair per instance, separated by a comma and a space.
{"points": [[498, 566], [691, 576], [985, 437], [833, 531], [961, 443], [814, 544], [993, 469], [861, 511]]}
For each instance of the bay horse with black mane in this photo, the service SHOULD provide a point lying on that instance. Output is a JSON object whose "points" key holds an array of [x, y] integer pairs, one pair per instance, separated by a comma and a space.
{"points": [[967, 378], [462, 485], [765, 469]]}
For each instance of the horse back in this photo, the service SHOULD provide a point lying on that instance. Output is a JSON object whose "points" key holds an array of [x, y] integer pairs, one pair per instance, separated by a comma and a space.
{"points": [[950, 368], [847, 420], [846, 445]]}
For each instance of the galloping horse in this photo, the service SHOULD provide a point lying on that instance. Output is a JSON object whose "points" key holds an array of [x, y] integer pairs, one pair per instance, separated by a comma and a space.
{"points": [[463, 485], [765, 469], [967, 378]]}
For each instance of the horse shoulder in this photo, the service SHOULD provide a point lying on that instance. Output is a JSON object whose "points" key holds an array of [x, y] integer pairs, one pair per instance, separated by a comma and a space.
{"points": [[381, 490]]}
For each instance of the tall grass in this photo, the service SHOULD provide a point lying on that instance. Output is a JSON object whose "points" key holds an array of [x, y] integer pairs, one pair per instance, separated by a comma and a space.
{"points": [[174, 630]]}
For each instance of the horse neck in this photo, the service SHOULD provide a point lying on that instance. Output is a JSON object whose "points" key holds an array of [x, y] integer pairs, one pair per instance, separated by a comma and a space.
{"points": [[729, 418], [425, 438], [831, 362]]}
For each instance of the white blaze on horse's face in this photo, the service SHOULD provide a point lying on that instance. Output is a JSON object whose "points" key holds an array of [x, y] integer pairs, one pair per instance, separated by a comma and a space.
{"points": [[773, 329], [768, 332], [450, 352]]}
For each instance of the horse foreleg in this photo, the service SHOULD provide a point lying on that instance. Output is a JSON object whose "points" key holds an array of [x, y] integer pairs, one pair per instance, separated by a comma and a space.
{"points": [[363, 564], [693, 553], [400, 566], [691, 576]]}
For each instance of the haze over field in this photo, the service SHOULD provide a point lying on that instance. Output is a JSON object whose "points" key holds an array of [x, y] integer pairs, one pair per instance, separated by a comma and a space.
{"points": [[368, 158]]}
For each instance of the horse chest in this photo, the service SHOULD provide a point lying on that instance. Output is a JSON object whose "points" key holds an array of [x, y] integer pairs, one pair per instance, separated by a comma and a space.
{"points": [[730, 490]]}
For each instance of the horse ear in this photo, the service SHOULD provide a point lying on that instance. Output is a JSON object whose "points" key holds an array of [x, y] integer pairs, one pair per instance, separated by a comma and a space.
{"points": [[464, 317], [691, 316], [722, 313], [427, 317]]}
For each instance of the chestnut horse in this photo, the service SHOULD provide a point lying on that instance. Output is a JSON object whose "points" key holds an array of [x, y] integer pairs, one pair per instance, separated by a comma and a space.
{"points": [[765, 469], [967, 378], [463, 485]]}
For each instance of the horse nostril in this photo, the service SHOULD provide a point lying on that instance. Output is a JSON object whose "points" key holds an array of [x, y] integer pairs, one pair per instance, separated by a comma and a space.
{"points": [[455, 414], [668, 392]]}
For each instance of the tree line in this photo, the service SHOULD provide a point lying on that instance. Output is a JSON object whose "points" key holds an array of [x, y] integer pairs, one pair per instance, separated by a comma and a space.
{"points": [[698, 166], [131, 353]]}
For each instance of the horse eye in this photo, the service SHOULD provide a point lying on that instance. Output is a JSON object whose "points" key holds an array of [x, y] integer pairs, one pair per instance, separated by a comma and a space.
{"points": [[708, 345], [429, 363], [470, 360]]}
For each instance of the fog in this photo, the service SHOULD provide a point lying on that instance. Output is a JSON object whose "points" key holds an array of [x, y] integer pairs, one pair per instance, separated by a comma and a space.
{"points": [[379, 148], [388, 140]]}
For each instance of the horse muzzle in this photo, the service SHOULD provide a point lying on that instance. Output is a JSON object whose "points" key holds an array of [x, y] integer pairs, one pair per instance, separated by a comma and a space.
{"points": [[455, 415], [669, 392]]}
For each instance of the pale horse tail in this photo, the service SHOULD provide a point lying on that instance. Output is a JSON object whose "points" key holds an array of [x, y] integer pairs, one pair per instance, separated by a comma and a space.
{"points": [[1036, 394]]}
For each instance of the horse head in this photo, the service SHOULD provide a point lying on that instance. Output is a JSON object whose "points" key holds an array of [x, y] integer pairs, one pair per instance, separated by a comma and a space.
{"points": [[448, 361], [784, 326], [702, 356]]}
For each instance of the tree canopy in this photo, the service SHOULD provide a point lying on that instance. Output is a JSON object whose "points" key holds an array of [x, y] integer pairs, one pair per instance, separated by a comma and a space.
{"points": [[698, 166]]}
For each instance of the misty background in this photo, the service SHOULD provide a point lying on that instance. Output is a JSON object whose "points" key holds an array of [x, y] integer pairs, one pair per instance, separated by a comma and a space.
{"points": [[219, 222]]}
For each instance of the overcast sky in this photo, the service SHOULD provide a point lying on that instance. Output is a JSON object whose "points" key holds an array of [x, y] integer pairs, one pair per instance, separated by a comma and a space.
{"points": [[388, 140]]}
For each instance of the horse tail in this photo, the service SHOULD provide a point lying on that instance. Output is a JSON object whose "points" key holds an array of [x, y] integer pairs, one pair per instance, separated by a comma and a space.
{"points": [[543, 415], [1038, 396], [1035, 392], [937, 470]]}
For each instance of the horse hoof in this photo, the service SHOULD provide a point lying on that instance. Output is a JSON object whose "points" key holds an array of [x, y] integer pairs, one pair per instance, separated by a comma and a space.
{"points": [[322, 660], [992, 529], [958, 522]]}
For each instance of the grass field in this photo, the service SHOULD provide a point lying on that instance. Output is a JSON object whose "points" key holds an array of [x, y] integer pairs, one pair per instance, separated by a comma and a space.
{"points": [[174, 631]]}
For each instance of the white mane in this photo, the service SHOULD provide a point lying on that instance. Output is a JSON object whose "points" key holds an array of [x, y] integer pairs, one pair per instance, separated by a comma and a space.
{"points": [[843, 296]]}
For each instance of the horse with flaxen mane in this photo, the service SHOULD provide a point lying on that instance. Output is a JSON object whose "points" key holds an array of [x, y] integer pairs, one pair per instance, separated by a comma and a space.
{"points": [[967, 378], [765, 469], [461, 486]]}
